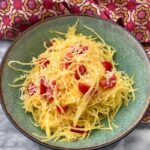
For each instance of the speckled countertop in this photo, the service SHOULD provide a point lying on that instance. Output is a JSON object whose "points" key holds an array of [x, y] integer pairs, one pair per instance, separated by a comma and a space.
{"points": [[12, 139]]}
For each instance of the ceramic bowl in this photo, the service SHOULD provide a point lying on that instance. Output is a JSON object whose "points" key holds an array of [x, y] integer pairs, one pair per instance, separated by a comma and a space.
{"points": [[130, 56]]}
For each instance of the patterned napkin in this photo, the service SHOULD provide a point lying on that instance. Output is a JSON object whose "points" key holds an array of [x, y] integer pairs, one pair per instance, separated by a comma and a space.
{"points": [[134, 15]]}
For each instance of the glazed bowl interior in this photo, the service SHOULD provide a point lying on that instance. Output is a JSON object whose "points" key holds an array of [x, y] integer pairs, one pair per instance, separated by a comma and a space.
{"points": [[130, 57]]}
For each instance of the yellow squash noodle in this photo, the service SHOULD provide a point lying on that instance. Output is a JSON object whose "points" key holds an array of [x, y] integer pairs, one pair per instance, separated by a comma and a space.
{"points": [[70, 114]]}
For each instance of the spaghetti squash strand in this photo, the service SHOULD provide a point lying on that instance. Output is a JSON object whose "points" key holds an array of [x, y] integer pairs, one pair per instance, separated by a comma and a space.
{"points": [[74, 87]]}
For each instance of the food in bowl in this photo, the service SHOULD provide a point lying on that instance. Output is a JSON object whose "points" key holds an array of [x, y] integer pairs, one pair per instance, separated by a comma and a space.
{"points": [[74, 87]]}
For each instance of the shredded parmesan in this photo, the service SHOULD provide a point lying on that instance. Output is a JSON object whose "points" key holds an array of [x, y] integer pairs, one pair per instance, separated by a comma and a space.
{"points": [[86, 112]]}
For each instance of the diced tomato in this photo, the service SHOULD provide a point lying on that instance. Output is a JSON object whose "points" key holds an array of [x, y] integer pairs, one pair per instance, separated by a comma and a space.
{"points": [[69, 55], [83, 87], [43, 87], [73, 49], [62, 109], [50, 91], [54, 82], [51, 86], [76, 130], [49, 94], [107, 65], [82, 70], [50, 98], [83, 49], [67, 59], [67, 64], [44, 62], [108, 83], [31, 89]]}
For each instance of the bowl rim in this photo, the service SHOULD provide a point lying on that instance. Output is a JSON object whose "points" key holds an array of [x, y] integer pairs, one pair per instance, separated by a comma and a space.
{"points": [[20, 129]]}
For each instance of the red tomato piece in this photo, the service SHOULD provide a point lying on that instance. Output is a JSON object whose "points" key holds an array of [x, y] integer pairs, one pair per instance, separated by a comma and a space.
{"points": [[50, 98], [73, 49], [31, 89], [83, 87], [62, 109], [44, 62], [53, 83], [43, 87], [76, 130], [83, 49], [69, 55], [108, 83], [82, 70], [67, 64], [49, 94], [107, 65], [68, 58], [50, 91]]}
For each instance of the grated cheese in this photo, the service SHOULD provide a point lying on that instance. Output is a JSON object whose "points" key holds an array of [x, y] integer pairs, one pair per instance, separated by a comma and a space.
{"points": [[86, 112]]}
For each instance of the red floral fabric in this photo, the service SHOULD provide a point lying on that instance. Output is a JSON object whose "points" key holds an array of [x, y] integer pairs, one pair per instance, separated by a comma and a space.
{"points": [[134, 15], [17, 15]]}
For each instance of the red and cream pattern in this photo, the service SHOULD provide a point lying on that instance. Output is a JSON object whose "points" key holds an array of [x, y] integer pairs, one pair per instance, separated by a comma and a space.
{"points": [[135, 15], [18, 15]]}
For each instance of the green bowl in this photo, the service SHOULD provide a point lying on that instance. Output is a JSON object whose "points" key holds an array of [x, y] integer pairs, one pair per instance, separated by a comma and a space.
{"points": [[130, 56]]}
